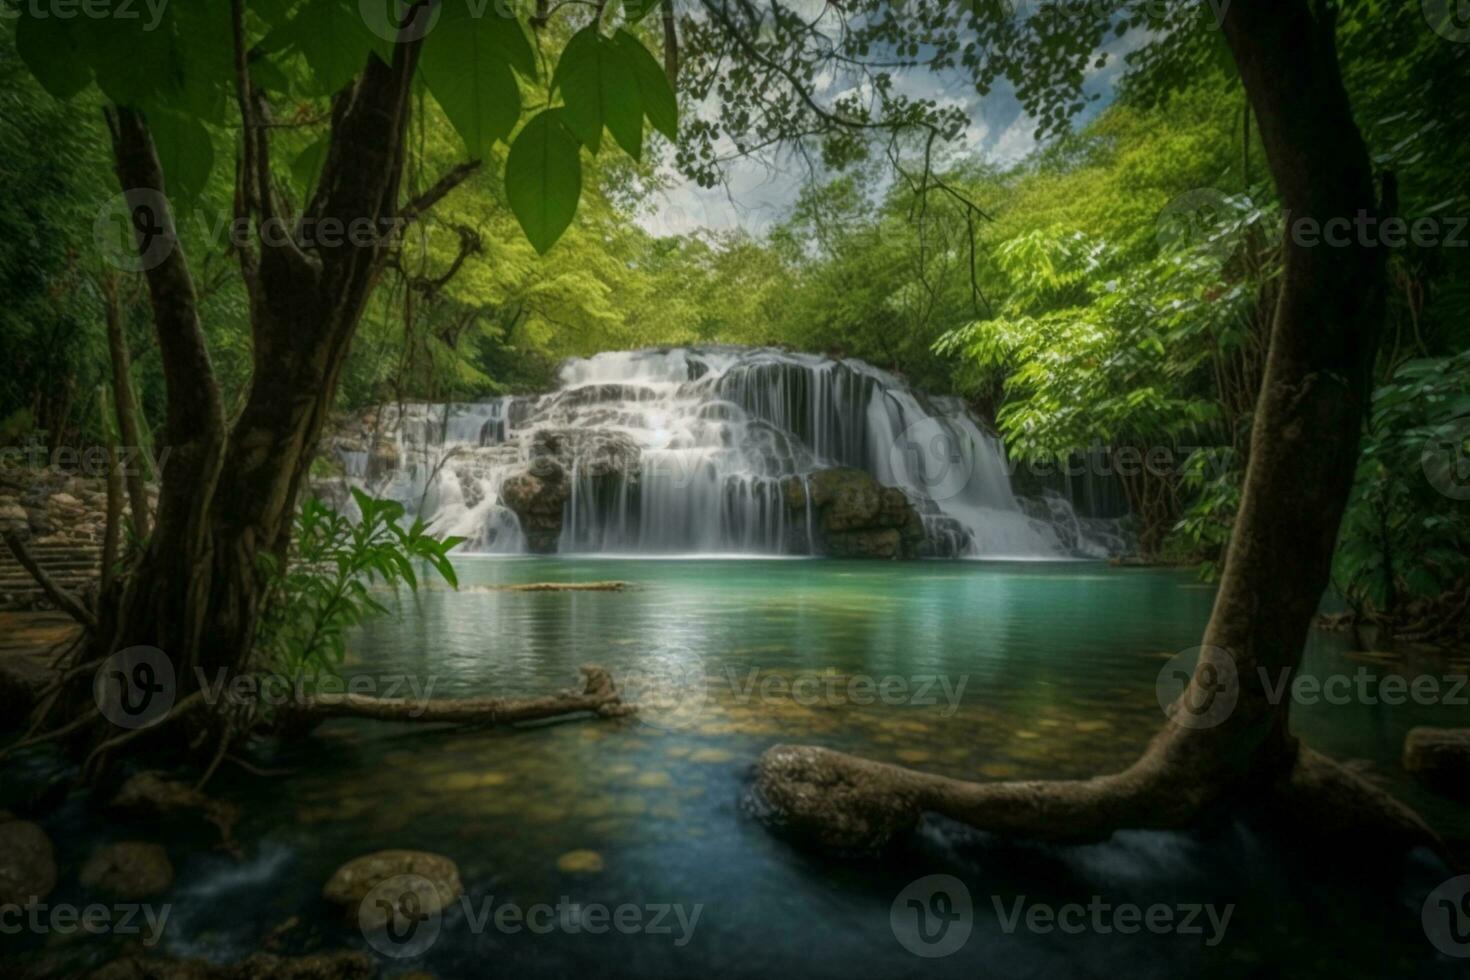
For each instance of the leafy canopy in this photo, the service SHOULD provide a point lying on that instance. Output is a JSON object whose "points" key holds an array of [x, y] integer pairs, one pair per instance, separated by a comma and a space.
{"points": [[478, 59]]}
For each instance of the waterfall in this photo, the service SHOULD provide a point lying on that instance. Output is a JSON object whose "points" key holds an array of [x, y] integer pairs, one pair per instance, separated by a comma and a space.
{"points": [[703, 451]]}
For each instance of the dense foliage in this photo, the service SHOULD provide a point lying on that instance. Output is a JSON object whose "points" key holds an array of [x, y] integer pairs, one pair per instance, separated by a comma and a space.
{"points": [[1106, 298]]}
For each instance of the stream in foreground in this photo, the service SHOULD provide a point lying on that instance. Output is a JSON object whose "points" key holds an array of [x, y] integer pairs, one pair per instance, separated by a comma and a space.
{"points": [[977, 670]]}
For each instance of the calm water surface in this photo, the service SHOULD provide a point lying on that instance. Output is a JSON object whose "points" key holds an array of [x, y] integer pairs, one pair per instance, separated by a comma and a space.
{"points": [[993, 671]]}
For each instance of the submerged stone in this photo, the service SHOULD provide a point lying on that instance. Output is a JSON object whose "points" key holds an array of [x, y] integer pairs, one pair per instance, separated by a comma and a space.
{"points": [[129, 869], [580, 862], [432, 877]]}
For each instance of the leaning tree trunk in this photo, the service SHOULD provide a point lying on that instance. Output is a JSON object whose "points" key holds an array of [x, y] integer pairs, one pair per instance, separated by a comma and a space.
{"points": [[1304, 448], [228, 493]]}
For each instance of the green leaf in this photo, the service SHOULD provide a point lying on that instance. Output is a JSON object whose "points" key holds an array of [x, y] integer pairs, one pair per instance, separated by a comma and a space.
{"points": [[133, 66], [333, 38], [467, 72], [49, 49], [507, 34], [654, 93], [598, 88], [543, 178], [308, 164], [636, 10], [186, 152], [267, 75]]}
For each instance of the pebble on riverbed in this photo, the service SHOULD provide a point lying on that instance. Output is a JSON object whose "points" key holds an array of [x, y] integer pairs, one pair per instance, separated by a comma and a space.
{"points": [[580, 862]]}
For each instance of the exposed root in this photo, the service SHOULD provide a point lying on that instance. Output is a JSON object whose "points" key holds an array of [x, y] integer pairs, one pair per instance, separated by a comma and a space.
{"points": [[63, 599], [1322, 800], [98, 756], [152, 797], [847, 803]]}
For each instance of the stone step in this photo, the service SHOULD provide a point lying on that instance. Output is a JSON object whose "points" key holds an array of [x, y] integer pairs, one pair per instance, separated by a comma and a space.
{"points": [[71, 561]]}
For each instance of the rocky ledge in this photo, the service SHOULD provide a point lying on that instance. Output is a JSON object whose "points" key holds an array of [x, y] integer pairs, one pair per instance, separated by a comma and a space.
{"points": [[539, 494], [849, 514]]}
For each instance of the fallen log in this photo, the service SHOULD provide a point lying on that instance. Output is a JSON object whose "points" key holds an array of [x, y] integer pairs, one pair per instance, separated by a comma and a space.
{"points": [[599, 696], [563, 587]]}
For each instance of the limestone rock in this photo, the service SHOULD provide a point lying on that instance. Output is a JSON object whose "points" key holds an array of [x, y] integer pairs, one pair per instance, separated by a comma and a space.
{"points": [[855, 516]]}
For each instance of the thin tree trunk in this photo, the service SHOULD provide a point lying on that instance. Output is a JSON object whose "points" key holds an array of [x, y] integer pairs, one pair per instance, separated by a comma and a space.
{"points": [[125, 406]]}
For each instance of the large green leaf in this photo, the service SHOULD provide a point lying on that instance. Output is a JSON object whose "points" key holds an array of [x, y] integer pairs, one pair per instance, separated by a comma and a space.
{"points": [[185, 151], [465, 67], [502, 29], [47, 45], [133, 65], [598, 88], [334, 40], [543, 178], [654, 92]]}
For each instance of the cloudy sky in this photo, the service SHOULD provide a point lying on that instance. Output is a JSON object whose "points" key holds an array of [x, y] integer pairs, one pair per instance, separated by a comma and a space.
{"points": [[759, 192]]}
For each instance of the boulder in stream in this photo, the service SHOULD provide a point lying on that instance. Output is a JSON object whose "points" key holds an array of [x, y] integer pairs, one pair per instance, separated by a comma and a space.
{"points": [[129, 870], [435, 879], [27, 863]]}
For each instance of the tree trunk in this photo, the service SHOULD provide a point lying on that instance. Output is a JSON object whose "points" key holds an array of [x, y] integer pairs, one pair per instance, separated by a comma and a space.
{"points": [[125, 407], [228, 497], [1303, 452]]}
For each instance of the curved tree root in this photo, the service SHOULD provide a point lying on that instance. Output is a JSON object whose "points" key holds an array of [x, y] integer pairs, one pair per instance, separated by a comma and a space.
{"points": [[848, 803]]}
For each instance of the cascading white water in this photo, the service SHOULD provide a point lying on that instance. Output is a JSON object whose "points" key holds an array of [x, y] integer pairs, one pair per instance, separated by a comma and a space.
{"points": [[687, 451]]}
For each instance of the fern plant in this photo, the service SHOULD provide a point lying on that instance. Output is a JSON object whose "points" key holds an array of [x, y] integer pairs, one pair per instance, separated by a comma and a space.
{"points": [[328, 586]]}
